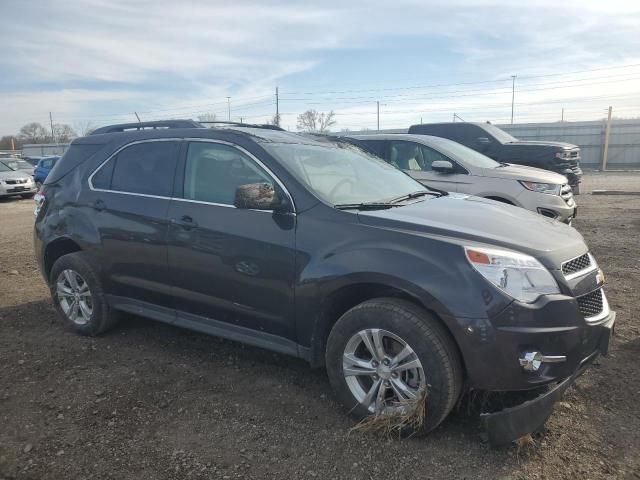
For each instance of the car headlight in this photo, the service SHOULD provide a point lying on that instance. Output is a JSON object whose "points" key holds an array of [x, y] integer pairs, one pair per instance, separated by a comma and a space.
{"points": [[518, 275], [563, 154], [550, 188]]}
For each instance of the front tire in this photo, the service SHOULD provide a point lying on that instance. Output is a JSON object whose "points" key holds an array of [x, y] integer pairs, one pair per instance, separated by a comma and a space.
{"points": [[78, 296], [385, 353]]}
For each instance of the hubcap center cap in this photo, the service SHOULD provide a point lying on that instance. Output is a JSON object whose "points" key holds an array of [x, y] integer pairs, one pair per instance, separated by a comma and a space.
{"points": [[384, 372]]}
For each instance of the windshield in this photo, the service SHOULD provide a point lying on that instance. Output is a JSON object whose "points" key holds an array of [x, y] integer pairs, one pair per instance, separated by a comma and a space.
{"points": [[342, 174], [15, 164], [462, 154], [500, 135]]}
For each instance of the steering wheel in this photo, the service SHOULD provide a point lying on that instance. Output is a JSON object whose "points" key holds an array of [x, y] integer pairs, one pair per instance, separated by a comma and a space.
{"points": [[339, 185]]}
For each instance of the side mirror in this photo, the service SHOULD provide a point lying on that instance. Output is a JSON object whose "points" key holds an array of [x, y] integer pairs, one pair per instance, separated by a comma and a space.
{"points": [[258, 196], [442, 166]]}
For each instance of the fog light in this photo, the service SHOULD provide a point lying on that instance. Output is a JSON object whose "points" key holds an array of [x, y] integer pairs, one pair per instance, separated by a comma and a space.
{"points": [[532, 361]]}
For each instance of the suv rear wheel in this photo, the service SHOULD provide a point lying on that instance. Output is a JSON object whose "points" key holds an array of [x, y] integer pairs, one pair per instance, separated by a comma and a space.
{"points": [[386, 354], [78, 296]]}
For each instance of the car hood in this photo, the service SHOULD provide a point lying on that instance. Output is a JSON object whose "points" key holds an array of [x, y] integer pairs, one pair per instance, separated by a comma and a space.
{"points": [[529, 174], [544, 143], [466, 219], [14, 175]]}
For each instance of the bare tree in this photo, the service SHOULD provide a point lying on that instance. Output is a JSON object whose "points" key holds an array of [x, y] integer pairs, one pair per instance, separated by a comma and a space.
{"points": [[84, 128], [313, 121], [207, 117], [33, 133], [63, 133], [275, 120]]}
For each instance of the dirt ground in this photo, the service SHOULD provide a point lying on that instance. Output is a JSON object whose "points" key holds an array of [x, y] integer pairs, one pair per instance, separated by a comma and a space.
{"points": [[150, 401]]}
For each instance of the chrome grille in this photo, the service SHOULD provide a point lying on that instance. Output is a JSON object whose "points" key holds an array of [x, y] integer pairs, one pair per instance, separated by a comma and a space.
{"points": [[591, 304], [16, 182], [577, 264]]}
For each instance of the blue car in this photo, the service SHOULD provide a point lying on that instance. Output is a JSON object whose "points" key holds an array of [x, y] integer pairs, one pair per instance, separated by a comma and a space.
{"points": [[43, 168]]}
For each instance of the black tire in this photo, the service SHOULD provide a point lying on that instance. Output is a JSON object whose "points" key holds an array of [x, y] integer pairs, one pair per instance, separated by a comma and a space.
{"points": [[423, 333], [102, 317]]}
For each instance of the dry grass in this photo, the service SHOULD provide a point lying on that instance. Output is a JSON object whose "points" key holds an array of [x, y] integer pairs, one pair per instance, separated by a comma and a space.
{"points": [[395, 424]]}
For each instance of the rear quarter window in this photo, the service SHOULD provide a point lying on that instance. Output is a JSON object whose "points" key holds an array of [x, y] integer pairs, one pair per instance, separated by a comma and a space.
{"points": [[74, 156], [144, 168]]}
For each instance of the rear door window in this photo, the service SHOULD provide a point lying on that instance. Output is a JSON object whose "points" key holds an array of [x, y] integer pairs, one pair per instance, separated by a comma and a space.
{"points": [[143, 168]]}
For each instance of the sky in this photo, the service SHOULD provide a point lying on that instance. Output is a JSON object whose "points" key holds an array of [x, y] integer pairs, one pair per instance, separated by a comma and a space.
{"points": [[97, 62]]}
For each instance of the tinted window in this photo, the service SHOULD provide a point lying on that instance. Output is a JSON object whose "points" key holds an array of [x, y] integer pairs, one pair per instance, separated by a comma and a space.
{"points": [[214, 171], [146, 168], [102, 178], [376, 147], [413, 156]]}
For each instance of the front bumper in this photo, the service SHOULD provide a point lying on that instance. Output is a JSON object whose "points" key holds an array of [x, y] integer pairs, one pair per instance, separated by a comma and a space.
{"points": [[21, 189], [506, 426], [552, 206]]}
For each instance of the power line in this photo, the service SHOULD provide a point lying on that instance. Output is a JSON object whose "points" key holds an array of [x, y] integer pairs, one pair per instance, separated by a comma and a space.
{"points": [[465, 83]]}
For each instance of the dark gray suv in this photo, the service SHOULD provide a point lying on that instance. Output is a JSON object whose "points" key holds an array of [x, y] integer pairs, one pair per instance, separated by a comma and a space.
{"points": [[323, 252]]}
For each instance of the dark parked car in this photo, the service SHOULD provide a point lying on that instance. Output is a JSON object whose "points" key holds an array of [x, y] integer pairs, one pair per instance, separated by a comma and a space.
{"points": [[326, 253], [558, 157], [43, 168]]}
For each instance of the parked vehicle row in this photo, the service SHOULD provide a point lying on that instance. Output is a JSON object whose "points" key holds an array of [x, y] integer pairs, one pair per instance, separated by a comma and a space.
{"points": [[559, 157], [325, 252], [447, 165]]}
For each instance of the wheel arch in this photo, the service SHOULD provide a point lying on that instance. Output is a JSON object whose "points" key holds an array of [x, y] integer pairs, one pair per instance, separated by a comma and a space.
{"points": [[56, 249], [342, 299], [502, 199]]}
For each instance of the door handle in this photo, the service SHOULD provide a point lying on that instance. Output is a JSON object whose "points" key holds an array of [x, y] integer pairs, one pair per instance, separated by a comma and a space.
{"points": [[99, 205], [185, 222]]}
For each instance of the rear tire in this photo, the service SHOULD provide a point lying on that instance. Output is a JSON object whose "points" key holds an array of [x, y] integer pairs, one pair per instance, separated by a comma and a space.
{"points": [[78, 296], [407, 325]]}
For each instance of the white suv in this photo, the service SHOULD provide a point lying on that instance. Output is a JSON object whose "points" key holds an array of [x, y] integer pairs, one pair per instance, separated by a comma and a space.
{"points": [[447, 165]]}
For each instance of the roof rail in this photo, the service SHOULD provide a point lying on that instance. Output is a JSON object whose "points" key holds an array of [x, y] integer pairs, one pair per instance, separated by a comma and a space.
{"points": [[123, 127], [266, 126]]}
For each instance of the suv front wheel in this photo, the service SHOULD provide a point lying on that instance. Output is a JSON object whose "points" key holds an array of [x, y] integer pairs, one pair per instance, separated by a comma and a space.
{"points": [[78, 296], [385, 355]]}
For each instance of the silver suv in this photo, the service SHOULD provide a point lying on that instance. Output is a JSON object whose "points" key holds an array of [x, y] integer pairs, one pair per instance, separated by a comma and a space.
{"points": [[447, 165]]}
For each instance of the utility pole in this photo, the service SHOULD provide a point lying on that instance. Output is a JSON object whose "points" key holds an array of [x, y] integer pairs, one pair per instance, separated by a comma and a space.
{"points": [[605, 153], [277, 122], [53, 135], [378, 107], [454, 117], [229, 107], [562, 115], [513, 94]]}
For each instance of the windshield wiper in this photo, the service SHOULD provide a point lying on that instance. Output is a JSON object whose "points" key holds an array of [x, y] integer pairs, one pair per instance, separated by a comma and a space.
{"points": [[365, 206], [420, 193]]}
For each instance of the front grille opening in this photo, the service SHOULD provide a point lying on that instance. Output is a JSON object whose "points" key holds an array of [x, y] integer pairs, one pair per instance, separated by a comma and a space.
{"points": [[591, 304], [577, 264]]}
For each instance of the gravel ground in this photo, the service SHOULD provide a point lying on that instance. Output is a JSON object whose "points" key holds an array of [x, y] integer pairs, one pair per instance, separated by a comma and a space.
{"points": [[149, 401]]}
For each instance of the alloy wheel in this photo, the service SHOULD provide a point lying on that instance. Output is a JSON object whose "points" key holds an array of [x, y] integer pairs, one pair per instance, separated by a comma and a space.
{"points": [[382, 371], [74, 297]]}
